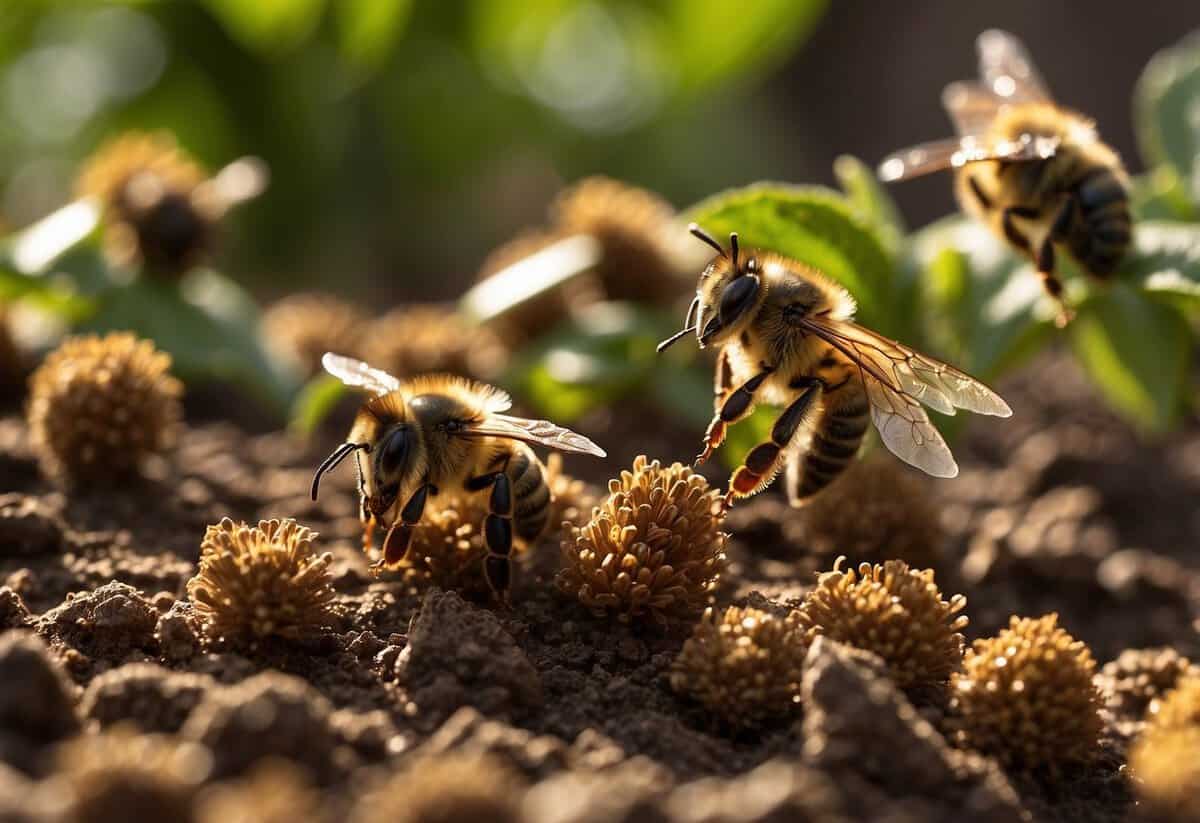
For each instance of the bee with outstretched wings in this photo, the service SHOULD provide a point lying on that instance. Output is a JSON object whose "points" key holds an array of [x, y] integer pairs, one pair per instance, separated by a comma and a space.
{"points": [[1036, 173], [786, 335], [439, 433]]}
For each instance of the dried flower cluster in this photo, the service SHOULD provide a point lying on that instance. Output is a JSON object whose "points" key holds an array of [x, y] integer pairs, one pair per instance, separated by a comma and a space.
{"points": [[744, 667], [1166, 774], [98, 406], [261, 581], [653, 546], [1164, 761], [894, 611], [447, 548], [150, 189], [302, 327], [572, 499], [1179, 709], [1138, 677], [431, 337], [445, 788], [878, 510], [1027, 697], [121, 775], [634, 226]]}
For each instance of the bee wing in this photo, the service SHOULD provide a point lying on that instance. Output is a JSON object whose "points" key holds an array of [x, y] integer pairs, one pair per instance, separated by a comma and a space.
{"points": [[898, 380], [972, 108], [1007, 70], [956, 152], [359, 375], [542, 432]]}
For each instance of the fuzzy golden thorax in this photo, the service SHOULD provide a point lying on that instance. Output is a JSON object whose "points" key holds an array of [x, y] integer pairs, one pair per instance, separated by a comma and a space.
{"points": [[411, 434]]}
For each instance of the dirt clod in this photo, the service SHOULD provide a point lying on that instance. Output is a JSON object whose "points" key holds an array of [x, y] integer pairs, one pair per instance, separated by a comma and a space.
{"points": [[110, 620], [146, 695], [459, 655]]}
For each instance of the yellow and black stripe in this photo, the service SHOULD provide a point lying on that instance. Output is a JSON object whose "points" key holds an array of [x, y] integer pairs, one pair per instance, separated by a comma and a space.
{"points": [[837, 436]]}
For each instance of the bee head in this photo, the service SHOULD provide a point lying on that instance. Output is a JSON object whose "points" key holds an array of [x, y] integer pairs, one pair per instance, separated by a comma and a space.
{"points": [[730, 290]]}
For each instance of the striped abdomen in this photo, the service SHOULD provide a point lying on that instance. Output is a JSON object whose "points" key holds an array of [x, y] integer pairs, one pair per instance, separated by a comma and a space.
{"points": [[836, 438], [1101, 234], [531, 495]]}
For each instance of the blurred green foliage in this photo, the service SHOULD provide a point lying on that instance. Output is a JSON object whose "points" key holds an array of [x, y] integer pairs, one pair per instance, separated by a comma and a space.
{"points": [[437, 117]]}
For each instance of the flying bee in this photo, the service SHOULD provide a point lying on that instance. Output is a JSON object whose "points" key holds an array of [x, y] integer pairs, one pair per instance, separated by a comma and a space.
{"points": [[787, 336], [416, 437], [1036, 173]]}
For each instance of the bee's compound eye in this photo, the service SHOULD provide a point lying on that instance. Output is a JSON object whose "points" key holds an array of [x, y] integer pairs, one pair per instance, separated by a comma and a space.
{"points": [[394, 450], [737, 297]]}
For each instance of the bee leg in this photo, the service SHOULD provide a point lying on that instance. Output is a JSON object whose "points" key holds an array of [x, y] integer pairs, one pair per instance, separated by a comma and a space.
{"points": [[763, 461], [1046, 259], [498, 536], [1043, 258], [399, 536], [736, 406]]}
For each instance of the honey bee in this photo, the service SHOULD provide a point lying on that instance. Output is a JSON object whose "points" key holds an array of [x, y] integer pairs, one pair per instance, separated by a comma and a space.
{"points": [[416, 437], [787, 336], [1036, 173]]}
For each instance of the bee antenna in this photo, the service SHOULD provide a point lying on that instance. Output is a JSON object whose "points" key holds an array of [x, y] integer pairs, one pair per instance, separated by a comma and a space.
{"points": [[733, 251], [704, 237], [333, 460]]}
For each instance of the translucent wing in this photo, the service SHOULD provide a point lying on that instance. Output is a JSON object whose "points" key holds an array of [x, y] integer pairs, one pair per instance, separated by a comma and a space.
{"points": [[542, 432], [359, 375], [955, 152], [898, 380], [1006, 68], [971, 107]]}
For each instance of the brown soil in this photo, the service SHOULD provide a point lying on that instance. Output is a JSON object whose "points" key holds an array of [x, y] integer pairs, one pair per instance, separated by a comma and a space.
{"points": [[1062, 508]]}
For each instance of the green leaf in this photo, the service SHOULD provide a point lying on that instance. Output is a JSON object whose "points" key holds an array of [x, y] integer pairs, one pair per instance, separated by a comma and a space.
{"points": [[367, 29], [604, 354], [316, 400], [816, 226], [709, 41], [268, 26], [1165, 262], [1160, 195], [871, 202], [1167, 111], [1138, 352], [746, 434], [989, 309], [203, 345]]}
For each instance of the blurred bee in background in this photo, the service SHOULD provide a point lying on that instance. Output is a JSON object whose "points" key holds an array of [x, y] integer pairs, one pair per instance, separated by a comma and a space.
{"points": [[1036, 173], [437, 431], [786, 336]]}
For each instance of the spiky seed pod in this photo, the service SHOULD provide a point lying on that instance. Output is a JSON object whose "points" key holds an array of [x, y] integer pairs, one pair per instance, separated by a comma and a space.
{"points": [[420, 338], [443, 789], [744, 666], [572, 500], [304, 326], [1179, 709], [98, 406], [1138, 677], [878, 510], [635, 228], [447, 547], [120, 775], [1166, 773], [148, 187], [894, 611], [261, 581], [1027, 697], [653, 547]]}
